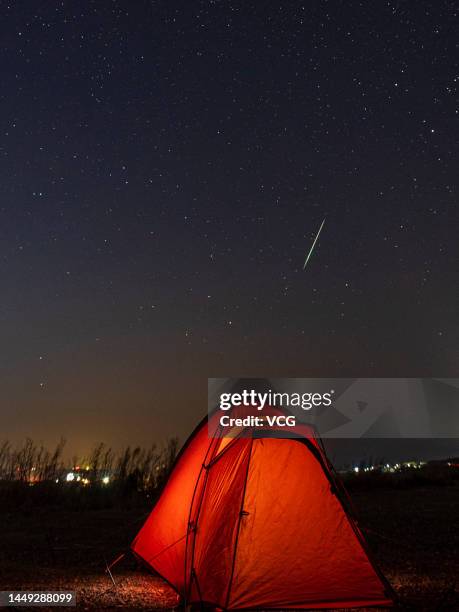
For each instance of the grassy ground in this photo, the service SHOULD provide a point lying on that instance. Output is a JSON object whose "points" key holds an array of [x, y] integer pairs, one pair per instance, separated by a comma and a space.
{"points": [[414, 534]]}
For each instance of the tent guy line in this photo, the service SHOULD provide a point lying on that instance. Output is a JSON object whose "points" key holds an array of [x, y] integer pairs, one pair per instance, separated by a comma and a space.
{"points": [[313, 244]]}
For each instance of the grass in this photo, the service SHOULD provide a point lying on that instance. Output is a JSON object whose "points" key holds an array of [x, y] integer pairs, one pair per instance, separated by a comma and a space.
{"points": [[132, 469]]}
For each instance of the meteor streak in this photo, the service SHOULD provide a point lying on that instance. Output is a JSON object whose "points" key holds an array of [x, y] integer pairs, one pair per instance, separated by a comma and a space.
{"points": [[313, 244]]}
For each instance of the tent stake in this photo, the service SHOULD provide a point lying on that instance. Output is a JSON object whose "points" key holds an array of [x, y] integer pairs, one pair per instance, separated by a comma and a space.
{"points": [[109, 573]]}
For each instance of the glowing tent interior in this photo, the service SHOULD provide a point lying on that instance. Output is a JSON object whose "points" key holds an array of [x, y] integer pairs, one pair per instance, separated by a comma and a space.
{"points": [[258, 522]]}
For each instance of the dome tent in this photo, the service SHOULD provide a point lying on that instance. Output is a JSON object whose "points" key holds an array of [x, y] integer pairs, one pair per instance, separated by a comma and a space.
{"points": [[254, 521]]}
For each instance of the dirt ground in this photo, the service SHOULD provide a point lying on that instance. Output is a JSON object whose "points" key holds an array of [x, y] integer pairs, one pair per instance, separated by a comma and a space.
{"points": [[413, 533]]}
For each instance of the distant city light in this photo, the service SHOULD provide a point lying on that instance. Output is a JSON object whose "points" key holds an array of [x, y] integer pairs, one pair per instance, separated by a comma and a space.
{"points": [[70, 476], [388, 468], [106, 479]]}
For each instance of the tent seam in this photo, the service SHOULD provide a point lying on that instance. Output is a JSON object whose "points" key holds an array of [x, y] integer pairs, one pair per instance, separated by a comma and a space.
{"points": [[233, 565], [197, 516]]}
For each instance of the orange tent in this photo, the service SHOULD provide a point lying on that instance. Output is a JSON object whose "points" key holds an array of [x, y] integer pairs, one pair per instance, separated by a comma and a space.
{"points": [[258, 522]]}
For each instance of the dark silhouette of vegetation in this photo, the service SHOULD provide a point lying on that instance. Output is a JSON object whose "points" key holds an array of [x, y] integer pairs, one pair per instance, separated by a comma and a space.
{"points": [[31, 474]]}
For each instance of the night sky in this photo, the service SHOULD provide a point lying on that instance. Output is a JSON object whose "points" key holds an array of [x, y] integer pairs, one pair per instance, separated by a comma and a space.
{"points": [[165, 167]]}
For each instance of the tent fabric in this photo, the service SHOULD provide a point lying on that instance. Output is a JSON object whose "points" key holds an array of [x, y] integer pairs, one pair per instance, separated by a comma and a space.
{"points": [[257, 522]]}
